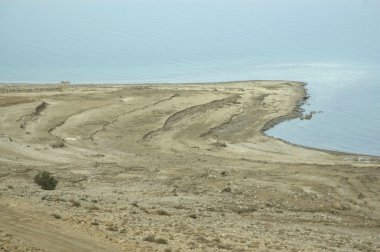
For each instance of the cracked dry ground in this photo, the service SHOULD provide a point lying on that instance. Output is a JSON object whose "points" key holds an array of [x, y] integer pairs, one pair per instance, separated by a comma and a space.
{"points": [[175, 168]]}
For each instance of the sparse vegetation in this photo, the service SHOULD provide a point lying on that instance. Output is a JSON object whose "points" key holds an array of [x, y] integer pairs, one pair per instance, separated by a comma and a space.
{"points": [[161, 241], [45, 180], [75, 203], [244, 210], [162, 212], [135, 204], [58, 144], [112, 228], [220, 144], [193, 216], [152, 238], [258, 193], [92, 207], [56, 216], [227, 190]]}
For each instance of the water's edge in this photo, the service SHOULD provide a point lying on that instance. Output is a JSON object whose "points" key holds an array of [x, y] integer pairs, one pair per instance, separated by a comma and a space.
{"points": [[296, 113]]}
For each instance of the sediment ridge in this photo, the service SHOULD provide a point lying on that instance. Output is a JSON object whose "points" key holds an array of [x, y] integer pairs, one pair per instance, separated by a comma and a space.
{"points": [[175, 168]]}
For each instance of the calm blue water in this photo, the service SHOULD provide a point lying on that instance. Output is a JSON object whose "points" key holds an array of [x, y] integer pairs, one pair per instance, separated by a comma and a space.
{"points": [[334, 46]]}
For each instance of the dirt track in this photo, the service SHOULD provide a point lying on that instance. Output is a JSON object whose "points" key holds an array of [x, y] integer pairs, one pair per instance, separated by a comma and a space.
{"points": [[185, 163]]}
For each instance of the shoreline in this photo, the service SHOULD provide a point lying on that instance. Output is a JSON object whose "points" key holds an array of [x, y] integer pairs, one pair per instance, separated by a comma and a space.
{"points": [[297, 113], [144, 83], [145, 168], [298, 110]]}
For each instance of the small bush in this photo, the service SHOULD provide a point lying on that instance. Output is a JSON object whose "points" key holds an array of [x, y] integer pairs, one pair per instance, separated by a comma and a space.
{"points": [[92, 207], [161, 241], [75, 203], [57, 216], [112, 228], [152, 238], [227, 190], [193, 216], [45, 180], [162, 212]]}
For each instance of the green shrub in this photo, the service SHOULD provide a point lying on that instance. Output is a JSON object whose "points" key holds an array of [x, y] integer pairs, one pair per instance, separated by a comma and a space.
{"points": [[45, 180]]}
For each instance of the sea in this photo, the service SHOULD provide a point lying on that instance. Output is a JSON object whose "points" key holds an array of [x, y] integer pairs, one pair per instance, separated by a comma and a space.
{"points": [[333, 46]]}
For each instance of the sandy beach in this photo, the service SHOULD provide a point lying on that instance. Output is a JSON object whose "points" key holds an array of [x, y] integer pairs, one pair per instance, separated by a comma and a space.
{"points": [[176, 168]]}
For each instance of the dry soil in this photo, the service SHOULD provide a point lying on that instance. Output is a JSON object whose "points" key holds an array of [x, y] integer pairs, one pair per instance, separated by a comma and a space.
{"points": [[175, 168]]}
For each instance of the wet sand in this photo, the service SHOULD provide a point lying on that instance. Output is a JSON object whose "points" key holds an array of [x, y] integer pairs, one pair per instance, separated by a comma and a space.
{"points": [[175, 168]]}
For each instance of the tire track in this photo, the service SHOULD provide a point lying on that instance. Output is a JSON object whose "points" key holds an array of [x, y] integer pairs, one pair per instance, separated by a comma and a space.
{"points": [[30, 228]]}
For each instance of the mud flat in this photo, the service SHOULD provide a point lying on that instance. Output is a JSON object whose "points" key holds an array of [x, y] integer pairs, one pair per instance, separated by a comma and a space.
{"points": [[175, 168]]}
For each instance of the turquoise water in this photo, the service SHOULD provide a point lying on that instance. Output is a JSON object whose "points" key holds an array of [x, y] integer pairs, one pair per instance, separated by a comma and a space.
{"points": [[334, 46]]}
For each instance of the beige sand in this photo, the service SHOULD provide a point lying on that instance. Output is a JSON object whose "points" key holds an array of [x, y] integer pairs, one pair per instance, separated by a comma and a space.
{"points": [[185, 163]]}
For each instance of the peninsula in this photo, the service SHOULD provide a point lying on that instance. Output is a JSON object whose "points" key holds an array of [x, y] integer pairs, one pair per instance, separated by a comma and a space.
{"points": [[175, 168]]}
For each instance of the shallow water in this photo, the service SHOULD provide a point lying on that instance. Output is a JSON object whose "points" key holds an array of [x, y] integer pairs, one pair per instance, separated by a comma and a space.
{"points": [[347, 102], [334, 46]]}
